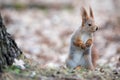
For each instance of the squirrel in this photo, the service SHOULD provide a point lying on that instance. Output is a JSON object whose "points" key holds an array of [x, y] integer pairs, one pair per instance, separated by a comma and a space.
{"points": [[80, 52]]}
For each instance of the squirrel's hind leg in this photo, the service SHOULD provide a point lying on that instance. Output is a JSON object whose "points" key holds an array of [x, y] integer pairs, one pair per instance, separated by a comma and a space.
{"points": [[70, 63]]}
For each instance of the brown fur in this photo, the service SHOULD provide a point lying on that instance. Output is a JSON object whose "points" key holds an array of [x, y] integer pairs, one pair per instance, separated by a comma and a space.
{"points": [[84, 16], [95, 56], [82, 54], [89, 42], [79, 43]]}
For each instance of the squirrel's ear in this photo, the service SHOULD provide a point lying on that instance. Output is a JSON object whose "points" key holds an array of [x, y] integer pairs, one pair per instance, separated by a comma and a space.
{"points": [[91, 13], [84, 15]]}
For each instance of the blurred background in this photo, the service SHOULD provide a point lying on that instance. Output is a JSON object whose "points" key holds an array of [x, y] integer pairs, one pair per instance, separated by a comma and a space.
{"points": [[42, 28]]}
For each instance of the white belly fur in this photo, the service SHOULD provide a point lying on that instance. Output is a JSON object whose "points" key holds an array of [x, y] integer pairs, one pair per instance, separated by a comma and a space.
{"points": [[78, 55], [78, 58], [85, 37]]}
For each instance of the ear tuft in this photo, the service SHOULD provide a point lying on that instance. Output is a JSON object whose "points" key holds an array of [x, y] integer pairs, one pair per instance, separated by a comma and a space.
{"points": [[91, 12], [84, 13]]}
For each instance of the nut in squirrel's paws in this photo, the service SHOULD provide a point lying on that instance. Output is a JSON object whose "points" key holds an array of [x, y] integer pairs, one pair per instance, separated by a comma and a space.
{"points": [[89, 43], [83, 46]]}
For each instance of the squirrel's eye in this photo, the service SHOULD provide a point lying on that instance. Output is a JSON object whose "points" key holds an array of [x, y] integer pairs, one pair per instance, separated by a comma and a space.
{"points": [[90, 24]]}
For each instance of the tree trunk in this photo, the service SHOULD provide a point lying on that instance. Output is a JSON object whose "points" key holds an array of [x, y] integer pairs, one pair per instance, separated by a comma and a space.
{"points": [[8, 48]]}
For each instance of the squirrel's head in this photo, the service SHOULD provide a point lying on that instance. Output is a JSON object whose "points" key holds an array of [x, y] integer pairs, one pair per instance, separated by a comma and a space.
{"points": [[88, 23]]}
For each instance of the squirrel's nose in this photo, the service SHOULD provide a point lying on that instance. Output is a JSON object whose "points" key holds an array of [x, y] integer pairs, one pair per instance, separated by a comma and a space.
{"points": [[96, 28]]}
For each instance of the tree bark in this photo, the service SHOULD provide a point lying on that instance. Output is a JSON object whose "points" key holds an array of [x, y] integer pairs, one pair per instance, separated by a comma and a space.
{"points": [[8, 47]]}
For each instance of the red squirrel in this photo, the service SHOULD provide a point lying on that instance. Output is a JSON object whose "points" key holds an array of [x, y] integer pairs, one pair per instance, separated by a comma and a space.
{"points": [[80, 52]]}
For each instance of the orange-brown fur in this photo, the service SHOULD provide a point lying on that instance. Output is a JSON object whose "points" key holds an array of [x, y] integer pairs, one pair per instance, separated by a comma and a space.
{"points": [[82, 54], [89, 42], [95, 56], [79, 43]]}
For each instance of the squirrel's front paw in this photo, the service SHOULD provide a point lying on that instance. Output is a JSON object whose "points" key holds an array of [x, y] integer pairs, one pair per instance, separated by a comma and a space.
{"points": [[83, 46], [88, 43]]}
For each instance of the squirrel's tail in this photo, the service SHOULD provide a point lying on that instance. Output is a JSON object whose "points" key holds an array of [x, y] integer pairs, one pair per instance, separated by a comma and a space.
{"points": [[94, 56]]}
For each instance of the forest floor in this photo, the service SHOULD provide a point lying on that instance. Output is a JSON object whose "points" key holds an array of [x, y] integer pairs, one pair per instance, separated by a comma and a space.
{"points": [[43, 34], [34, 71]]}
